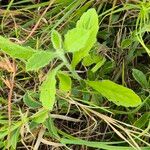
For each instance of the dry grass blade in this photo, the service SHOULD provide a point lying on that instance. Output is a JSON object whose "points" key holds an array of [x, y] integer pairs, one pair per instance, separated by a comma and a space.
{"points": [[44, 141], [39, 138]]}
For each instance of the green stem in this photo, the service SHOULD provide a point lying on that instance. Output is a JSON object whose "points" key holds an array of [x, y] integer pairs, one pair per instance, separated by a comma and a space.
{"points": [[62, 56]]}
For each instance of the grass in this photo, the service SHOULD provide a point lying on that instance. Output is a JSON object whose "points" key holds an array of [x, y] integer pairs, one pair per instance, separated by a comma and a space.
{"points": [[81, 118]]}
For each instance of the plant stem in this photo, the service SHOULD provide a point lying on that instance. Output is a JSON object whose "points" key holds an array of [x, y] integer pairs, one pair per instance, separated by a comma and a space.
{"points": [[62, 56]]}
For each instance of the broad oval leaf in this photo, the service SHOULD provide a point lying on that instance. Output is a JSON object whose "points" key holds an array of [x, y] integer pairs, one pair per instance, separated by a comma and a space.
{"points": [[48, 90], [39, 60], [56, 40], [140, 77], [118, 94], [76, 39]]}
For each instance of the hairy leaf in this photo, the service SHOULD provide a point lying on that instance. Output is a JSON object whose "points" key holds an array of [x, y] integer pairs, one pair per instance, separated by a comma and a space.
{"points": [[76, 39], [15, 50], [118, 94], [56, 40], [39, 60], [91, 59], [49, 123], [88, 21], [48, 89]]}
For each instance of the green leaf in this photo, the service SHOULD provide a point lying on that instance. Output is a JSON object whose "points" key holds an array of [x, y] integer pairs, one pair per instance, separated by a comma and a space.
{"points": [[56, 40], [94, 59], [49, 123], [98, 65], [48, 89], [89, 22], [40, 116], [15, 50], [76, 39], [91, 59], [64, 82], [118, 94], [140, 77], [39, 60], [142, 120], [126, 43], [30, 102], [4, 130]]}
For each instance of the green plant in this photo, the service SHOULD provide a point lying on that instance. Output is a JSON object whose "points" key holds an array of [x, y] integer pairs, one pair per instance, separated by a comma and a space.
{"points": [[79, 43]]}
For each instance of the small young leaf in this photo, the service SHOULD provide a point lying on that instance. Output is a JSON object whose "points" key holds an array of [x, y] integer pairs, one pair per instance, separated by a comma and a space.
{"points": [[98, 65], [64, 82], [76, 39], [118, 94], [140, 77], [15, 50], [48, 90], [91, 59], [39, 60], [56, 40]]}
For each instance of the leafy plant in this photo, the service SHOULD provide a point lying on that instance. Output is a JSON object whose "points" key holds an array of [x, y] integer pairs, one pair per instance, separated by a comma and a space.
{"points": [[78, 41], [67, 83]]}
